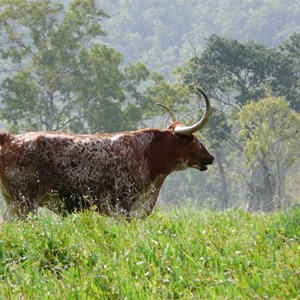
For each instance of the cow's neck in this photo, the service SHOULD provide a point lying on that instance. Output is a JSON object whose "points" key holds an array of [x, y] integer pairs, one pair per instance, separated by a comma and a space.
{"points": [[161, 156]]}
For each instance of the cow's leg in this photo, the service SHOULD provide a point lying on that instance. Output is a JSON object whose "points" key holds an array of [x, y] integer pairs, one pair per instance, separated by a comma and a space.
{"points": [[20, 209], [53, 202], [144, 205], [19, 206], [26, 204], [12, 212]]}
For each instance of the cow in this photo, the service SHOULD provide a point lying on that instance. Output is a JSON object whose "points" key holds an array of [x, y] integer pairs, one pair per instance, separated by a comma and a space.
{"points": [[118, 173]]}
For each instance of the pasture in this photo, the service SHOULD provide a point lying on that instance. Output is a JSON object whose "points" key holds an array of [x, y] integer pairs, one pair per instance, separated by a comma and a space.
{"points": [[178, 254]]}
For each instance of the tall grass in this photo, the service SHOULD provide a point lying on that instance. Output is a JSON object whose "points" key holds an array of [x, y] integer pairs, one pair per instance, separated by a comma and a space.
{"points": [[184, 254]]}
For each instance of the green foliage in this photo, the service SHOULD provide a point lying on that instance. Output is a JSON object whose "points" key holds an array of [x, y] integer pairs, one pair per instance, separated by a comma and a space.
{"points": [[62, 77], [183, 254], [46, 43], [153, 37], [233, 73], [21, 86], [271, 131], [57, 73], [173, 95], [246, 70], [287, 71]]}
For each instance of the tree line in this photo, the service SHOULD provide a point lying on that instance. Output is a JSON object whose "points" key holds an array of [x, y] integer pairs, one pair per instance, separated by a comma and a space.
{"points": [[165, 33], [58, 73]]}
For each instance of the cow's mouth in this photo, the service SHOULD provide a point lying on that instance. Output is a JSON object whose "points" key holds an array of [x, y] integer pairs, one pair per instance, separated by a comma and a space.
{"points": [[202, 167]]}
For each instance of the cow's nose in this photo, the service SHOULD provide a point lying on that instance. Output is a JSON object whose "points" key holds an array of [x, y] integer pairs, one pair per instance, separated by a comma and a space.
{"points": [[211, 160]]}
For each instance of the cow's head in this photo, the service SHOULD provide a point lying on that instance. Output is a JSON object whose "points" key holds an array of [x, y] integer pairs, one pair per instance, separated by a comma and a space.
{"points": [[189, 150]]}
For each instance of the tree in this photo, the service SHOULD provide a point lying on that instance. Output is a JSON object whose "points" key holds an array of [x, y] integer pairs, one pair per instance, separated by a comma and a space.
{"points": [[46, 45], [151, 35], [270, 131], [286, 80], [233, 70], [232, 73], [61, 72]]}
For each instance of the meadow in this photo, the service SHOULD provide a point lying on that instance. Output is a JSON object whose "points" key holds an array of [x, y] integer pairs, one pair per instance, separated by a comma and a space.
{"points": [[177, 254]]}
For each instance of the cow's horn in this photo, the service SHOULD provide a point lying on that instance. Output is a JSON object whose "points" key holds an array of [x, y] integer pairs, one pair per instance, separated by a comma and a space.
{"points": [[172, 115], [185, 130]]}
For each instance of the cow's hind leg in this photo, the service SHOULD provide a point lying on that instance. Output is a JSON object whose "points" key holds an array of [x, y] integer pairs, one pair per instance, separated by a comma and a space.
{"points": [[27, 205], [19, 207], [12, 212], [15, 211]]}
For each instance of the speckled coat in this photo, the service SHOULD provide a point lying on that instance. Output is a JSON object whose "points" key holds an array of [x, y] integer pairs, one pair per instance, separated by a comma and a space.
{"points": [[114, 173]]}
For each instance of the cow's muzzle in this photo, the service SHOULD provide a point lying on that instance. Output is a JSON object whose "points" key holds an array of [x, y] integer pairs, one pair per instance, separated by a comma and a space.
{"points": [[208, 161]]}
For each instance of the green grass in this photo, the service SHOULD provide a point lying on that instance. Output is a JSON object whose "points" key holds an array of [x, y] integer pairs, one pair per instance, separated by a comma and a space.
{"points": [[184, 254]]}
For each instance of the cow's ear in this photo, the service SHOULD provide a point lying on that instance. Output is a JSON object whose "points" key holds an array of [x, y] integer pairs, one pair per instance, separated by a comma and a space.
{"points": [[185, 139]]}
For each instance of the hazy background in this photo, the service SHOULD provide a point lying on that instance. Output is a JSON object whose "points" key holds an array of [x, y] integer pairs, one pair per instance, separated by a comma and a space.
{"points": [[157, 51]]}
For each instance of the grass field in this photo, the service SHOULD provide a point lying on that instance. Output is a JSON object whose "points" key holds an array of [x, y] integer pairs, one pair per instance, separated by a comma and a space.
{"points": [[183, 254]]}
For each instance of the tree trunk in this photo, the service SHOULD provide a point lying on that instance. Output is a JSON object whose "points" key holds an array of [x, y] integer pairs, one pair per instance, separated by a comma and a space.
{"points": [[51, 116], [267, 197], [223, 196]]}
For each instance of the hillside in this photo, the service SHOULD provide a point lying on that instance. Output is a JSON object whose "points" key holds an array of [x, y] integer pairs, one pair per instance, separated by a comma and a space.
{"points": [[164, 34]]}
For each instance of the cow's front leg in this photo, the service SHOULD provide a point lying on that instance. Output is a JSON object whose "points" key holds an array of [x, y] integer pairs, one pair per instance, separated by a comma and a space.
{"points": [[144, 205]]}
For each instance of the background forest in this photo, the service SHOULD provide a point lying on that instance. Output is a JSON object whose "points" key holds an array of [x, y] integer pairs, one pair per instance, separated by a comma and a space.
{"points": [[99, 66]]}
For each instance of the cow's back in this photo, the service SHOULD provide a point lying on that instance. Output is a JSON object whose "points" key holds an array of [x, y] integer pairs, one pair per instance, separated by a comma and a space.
{"points": [[81, 164]]}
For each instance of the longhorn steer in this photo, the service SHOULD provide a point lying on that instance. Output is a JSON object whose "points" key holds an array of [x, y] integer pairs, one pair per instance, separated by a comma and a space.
{"points": [[118, 172]]}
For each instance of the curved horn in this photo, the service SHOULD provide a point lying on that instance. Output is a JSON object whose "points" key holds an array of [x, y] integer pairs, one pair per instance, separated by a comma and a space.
{"points": [[172, 115], [185, 130]]}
